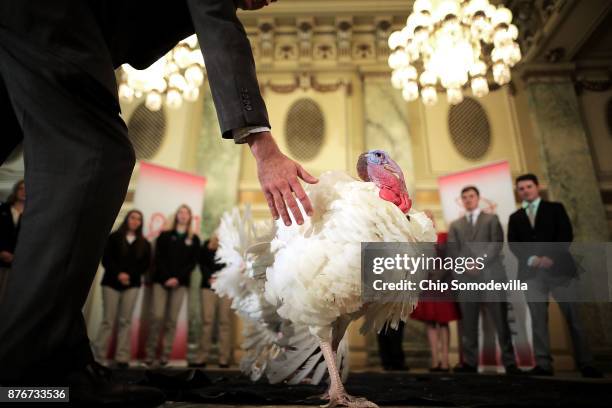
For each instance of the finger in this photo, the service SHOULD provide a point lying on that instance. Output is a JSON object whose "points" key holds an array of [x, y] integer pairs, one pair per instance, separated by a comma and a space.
{"points": [[280, 207], [292, 204], [270, 200], [304, 175], [301, 195]]}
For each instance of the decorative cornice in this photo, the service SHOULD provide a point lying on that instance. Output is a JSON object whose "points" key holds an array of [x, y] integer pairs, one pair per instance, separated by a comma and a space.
{"points": [[306, 81]]}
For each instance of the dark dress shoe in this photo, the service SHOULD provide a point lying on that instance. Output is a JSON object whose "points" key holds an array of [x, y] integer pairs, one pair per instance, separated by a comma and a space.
{"points": [[196, 365], [93, 386], [514, 370], [122, 365], [465, 369], [539, 371], [590, 372]]}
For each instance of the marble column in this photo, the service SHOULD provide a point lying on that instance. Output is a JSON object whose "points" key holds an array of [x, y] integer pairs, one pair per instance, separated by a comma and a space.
{"points": [[386, 128], [567, 162]]}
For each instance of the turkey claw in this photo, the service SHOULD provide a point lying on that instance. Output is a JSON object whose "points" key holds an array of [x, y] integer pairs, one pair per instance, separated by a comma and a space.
{"points": [[345, 400]]}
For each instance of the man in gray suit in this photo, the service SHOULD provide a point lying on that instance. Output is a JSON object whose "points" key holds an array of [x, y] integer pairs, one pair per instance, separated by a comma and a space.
{"points": [[486, 231]]}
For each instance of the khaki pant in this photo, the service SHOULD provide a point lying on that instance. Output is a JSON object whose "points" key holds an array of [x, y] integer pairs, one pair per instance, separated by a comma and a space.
{"points": [[119, 307], [211, 305], [166, 307]]}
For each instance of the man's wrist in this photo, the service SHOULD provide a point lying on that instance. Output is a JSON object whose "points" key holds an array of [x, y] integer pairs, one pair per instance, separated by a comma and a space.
{"points": [[262, 145]]}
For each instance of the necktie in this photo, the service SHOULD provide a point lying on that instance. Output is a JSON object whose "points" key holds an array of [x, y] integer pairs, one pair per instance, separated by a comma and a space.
{"points": [[531, 214], [471, 218]]}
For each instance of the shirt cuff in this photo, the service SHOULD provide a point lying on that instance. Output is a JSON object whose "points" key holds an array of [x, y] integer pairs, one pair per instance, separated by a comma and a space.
{"points": [[241, 134], [531, 260]]}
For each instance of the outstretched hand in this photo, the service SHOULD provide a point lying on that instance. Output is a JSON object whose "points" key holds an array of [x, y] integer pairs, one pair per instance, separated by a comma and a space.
{"points": [[279, 178]]}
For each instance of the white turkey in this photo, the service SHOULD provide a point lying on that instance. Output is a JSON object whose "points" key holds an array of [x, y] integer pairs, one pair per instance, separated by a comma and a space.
{"points": [[274, 348], [314, 279]]}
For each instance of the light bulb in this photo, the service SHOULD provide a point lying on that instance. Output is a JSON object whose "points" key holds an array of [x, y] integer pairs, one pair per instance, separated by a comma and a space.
{"points": [[194, 75], [126, 93], [421, 6], [174, 100], [454, 96], [395, 40], [429, 95], [501, 73], [153, 101], [411, 91], [480, 86], [191, 94], [182, 56]]}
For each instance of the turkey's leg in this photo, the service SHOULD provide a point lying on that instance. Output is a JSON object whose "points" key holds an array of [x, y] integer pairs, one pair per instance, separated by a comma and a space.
{"points": [[336, 393]]}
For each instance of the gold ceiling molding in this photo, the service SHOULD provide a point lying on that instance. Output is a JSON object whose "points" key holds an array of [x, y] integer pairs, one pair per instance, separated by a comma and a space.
{"points": [[306, 81], [290, 8]]}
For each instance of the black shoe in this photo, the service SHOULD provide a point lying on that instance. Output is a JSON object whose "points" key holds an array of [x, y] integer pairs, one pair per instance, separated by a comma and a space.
{"points": [[514, 370], [590, 372], [196, 365], [539, 371], [163, 362], [223, 365], [121, 365], [465, 369], [93, 386]]}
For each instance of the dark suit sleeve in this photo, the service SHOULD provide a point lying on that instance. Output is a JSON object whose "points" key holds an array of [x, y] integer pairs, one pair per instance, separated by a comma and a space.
{"points": [[565, 233], [229, 64], [513, 235]]}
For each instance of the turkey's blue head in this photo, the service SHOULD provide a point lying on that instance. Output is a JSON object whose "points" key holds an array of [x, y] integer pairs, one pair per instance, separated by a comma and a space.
{"points": [[378, 167]]}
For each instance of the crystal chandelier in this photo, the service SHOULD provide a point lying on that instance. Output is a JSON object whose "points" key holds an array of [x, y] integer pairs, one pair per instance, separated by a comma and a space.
{"points": [[448, 45], [175, 77]]}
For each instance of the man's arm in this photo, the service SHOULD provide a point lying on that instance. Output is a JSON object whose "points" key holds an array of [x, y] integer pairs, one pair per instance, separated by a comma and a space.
{"points": [[233, 81]]}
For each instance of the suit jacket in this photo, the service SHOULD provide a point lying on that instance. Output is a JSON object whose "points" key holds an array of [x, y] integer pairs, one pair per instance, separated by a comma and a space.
{"points": [[488, 235], [8, 232], [552, 225], [100, 35]]}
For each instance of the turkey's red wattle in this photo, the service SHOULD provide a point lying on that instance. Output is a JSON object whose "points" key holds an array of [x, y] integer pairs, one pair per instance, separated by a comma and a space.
{"points": [[399, 198]]}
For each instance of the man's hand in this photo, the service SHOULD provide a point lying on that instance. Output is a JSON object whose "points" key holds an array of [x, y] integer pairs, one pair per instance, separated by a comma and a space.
{"points": [[171, 283], [124, 278], [6, 256], [545, 262], [278, 176], [253, 4]]}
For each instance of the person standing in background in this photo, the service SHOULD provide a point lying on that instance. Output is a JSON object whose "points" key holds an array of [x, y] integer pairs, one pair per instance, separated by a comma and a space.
{"points": [[437, 310], [10, 220], [127, 258], [215, 309], [176, 255], [485, 230], [547, 270]]}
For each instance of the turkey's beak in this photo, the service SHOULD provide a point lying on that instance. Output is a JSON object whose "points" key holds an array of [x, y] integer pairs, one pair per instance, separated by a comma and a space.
{"points": [[391, 170]]}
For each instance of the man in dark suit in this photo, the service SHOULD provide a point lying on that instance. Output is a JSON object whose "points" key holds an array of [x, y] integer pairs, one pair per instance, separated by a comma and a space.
{"points": [[548, 268], [474, 235], [58, 96]]}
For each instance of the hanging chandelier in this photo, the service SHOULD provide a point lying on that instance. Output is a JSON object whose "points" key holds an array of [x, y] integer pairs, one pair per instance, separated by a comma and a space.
{"points": [[175, 77], [457, 42]]}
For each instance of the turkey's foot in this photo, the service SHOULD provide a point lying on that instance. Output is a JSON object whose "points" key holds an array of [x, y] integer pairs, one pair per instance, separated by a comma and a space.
{"points": [[323, 397], [342, 399]]}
